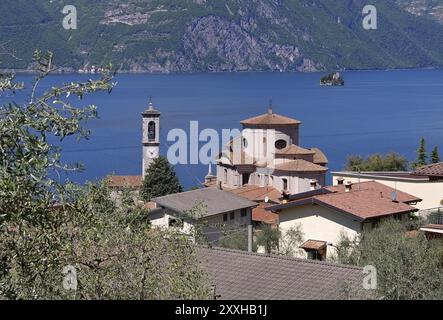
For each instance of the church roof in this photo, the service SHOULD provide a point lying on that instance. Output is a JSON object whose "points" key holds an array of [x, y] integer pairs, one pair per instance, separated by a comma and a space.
{"points": [[293, 149], [151, 110], [319, 156], [300, 165], [270, 118]]}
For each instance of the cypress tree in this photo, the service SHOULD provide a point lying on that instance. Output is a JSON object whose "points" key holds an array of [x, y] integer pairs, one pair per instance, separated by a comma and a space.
{"points": [[160, 180], [435, 158], [421, 154]]}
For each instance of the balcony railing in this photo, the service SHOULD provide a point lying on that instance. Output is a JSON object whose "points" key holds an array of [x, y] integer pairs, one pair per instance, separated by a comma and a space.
{"points": [[433, 215]]}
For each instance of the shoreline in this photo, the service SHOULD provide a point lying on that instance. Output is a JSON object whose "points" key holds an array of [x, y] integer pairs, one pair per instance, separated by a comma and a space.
{"points": [[32, 72]]}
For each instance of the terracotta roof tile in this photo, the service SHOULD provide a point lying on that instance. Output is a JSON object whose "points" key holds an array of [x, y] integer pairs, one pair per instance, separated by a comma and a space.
{"points": [[313, 244], [270, 119], [377, 188], [294, 150], [124, 181], [259, 214], [433, 170], [366, 200], [300, 165], [319, 156], [255, 193]]}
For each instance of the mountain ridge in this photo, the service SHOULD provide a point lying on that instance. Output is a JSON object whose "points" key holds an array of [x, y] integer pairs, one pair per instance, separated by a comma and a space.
{"points": [[235, 35]]}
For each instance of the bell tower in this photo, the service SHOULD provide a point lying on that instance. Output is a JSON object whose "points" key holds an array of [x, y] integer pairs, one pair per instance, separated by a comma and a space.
{"points": [[150, 136]]}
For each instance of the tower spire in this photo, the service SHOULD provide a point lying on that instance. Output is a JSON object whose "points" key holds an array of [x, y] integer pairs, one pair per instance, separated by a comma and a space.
{"points": [[270, 107], [151, 107]]}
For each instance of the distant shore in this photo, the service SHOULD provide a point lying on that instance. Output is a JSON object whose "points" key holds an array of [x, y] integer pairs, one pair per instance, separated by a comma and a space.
{"points": [[67, 71]]}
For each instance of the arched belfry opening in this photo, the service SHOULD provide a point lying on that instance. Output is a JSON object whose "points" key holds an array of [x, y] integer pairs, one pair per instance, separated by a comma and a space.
{"points": [[151, 131]]}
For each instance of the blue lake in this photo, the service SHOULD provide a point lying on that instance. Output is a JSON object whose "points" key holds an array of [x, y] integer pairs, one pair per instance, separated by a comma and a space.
{"points": [[376, 111]]}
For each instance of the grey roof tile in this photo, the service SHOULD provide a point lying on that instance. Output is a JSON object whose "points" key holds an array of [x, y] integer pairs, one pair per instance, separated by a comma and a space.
{"points": [[242, 275]]}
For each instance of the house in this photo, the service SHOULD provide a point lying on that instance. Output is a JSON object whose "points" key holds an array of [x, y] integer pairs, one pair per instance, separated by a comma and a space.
{"points": [[327, 213], [268, 153], [264, 197], [425, 182], [241, 275], [208, 207]]}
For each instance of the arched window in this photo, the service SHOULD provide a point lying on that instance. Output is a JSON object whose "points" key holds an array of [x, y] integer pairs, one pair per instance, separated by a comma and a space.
{"points": [[151, 131], [280, 144]]}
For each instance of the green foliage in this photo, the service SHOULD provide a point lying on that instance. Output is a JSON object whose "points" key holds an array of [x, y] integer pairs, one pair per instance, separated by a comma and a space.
{"points": [[377, 162], [290, 241], [160, 180], [408, 267], [235, 239], [435, 157], [421, 154], [268, 236], [309, 25], [46, 225]]}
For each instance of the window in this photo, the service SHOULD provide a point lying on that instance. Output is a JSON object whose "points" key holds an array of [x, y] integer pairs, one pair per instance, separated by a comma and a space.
{"points": [[243, 213], [225, 175], [315, 255], [232, 215], [151, 131], [245, 143], [285, 184], [280, 144], [225, 217]]}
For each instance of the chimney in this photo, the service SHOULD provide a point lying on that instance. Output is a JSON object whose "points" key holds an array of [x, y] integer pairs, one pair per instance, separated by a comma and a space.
{"points": [[348, 186], [340, 180], [313, 184]]}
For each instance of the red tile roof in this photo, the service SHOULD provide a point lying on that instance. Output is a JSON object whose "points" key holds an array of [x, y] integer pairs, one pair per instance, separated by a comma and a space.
{"points": [[366, 200], [270, 119], [378, 188], [313, 245], [124, 181], [432, 170], [259, 214], [294, 150], [300, 165], [319, 156], [255, 193]]}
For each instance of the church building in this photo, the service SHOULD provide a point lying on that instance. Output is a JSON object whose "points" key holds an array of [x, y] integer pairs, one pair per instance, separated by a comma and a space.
{"points": [[150, 150], [268, 154]]}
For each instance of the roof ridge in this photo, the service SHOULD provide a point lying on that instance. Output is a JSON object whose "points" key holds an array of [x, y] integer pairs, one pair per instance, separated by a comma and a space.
{"points": [[280, 257]]}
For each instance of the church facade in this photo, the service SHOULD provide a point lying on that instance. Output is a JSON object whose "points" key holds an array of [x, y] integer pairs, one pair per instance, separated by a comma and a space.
{"points": [[268, 154]]}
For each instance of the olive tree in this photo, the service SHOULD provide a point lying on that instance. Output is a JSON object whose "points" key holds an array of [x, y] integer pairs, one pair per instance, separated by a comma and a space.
{"points": [[47, 225]]}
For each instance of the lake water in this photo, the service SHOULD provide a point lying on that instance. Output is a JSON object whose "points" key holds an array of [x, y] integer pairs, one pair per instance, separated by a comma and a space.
{"points": [[377, 111]]}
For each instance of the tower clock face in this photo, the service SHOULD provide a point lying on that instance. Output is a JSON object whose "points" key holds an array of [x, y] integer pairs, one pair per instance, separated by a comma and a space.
{"points": [[152, 153]]}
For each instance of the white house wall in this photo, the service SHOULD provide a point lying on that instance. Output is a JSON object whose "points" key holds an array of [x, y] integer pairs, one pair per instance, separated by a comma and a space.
{"points": [[319, 223]]}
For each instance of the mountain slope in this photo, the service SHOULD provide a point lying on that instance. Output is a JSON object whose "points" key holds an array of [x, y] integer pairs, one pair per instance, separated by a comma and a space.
{"points": [[214, 35], [428, 8]]}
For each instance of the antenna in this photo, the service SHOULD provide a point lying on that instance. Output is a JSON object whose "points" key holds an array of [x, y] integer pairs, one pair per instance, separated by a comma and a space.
{"points": [[394, 196]]}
